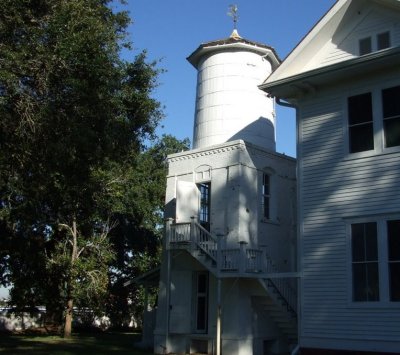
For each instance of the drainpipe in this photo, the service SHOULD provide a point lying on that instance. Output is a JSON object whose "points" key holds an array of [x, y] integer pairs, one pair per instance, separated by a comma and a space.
{"points": [[284, 103], [295, 351]]}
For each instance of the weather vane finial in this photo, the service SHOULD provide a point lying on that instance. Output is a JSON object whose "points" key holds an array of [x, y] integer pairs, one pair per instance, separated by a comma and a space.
{"points": [[233, 12]]}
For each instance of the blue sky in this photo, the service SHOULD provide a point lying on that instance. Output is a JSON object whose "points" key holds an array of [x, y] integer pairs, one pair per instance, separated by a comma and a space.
{"points": [[171, 30]]}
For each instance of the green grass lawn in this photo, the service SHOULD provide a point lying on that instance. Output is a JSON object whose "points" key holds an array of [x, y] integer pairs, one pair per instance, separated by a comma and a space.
{"points": [[98, 343]]}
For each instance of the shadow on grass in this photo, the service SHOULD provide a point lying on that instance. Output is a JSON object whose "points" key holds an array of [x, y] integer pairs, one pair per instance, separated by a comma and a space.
{"points": [[99, 343]]}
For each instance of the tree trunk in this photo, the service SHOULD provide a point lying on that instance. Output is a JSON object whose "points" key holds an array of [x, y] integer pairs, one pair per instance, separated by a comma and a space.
{"points": [[70, 301], [68, 318]]}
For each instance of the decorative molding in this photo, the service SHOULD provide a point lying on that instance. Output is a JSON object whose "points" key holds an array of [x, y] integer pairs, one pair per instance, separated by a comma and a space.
{"points": [[195, 153]]}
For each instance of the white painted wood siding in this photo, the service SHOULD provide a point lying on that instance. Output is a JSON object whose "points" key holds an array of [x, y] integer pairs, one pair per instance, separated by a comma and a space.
{"points": [[365, 22], [334, 187]]}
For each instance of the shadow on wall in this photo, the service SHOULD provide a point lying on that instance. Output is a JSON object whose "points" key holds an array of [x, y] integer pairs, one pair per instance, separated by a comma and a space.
{"points": [[260, 132]]}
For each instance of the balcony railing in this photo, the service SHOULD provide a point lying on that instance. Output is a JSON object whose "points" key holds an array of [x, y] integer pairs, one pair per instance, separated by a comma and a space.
{"points": [[225, 262], [194, 238]]}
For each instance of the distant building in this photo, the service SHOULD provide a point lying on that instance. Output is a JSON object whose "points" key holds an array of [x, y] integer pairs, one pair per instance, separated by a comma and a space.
{"points": [[344, 80], [228, 281]]}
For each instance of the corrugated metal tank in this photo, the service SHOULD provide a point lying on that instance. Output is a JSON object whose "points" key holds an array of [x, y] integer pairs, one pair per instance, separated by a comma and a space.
{"points": [[229, 105]]}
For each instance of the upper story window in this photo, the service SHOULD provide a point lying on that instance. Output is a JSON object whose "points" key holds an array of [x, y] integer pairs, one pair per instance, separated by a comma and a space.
{"points": [[205, 205], [383, 40], [375, 260], [365, 45], [266, 196], [361, 130], [374, 43], [365, 123], [391, 116]]}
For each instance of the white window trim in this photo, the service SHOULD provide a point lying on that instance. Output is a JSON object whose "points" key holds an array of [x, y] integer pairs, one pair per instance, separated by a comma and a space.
{"points": [[379, 139], [273, 218], [384, 295], [195, 295], [374, 40]]}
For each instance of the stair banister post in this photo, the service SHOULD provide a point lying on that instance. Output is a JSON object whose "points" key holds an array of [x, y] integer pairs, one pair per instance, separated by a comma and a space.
{"points": [[168, 231], [264, 264], [242, 256], [219, 255], [192, 233]]}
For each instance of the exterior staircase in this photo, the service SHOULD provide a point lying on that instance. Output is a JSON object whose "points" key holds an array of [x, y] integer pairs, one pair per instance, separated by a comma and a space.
{"points": [[280, 301]]}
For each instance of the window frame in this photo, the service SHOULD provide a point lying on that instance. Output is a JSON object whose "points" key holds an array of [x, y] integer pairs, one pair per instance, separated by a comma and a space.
{"points": [[383, 262], [385, 118], [362, 124], [266, 196], [205, 223], [195, 305], [376, 90], [364, 261], [374, 42], [267, 171]]}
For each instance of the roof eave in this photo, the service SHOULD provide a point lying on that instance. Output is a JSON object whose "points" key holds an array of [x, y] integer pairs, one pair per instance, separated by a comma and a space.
{"points": [[291, 86], [207, 48]]}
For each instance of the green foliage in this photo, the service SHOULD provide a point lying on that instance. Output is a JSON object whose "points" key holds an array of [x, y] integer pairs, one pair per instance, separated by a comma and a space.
{"points": [[74, 121], [137, 235]]}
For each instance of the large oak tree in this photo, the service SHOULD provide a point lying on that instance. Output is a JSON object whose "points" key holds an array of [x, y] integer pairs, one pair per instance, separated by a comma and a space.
{"points": [[74, 117]]}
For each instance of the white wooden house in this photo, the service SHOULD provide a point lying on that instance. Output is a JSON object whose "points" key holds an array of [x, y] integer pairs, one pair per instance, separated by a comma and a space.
{"points": [[228, 275], [343, 79]]}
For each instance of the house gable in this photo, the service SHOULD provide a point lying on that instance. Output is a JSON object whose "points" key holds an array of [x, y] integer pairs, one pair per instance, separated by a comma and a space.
{"points": [[335, 38]]}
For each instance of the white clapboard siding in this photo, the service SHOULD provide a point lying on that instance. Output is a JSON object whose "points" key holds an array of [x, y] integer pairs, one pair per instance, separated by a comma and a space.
{"points": [[334, 187], [344, 44]]}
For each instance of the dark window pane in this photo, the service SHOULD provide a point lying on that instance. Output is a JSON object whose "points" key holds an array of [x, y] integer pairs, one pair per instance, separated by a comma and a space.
{"points": [[360, 108], [202, 283], [266, 185], [266, 212], [372, 282], [364, 262], [201, 313], [357, 242], [371, 246], [391, 102], [365, 46], [205, 202], [393, 231], [394, 279], [266, 196], [359, 282], [361, 135], [383, 40], [361, 138], [392, 132]]}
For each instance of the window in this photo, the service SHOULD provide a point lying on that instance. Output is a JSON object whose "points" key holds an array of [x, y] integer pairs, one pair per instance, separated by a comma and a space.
{"points": [[370, 128], [393, 234], [375, 261], [201, 302], [205, 204], [383, 40], [365, 45], [361, 133], [365, 262], [374, 43], [391, 116], [266, 196]]}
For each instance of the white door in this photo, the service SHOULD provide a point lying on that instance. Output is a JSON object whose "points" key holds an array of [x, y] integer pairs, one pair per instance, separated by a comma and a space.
{"points": [[187, 201], [180, 302]]}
